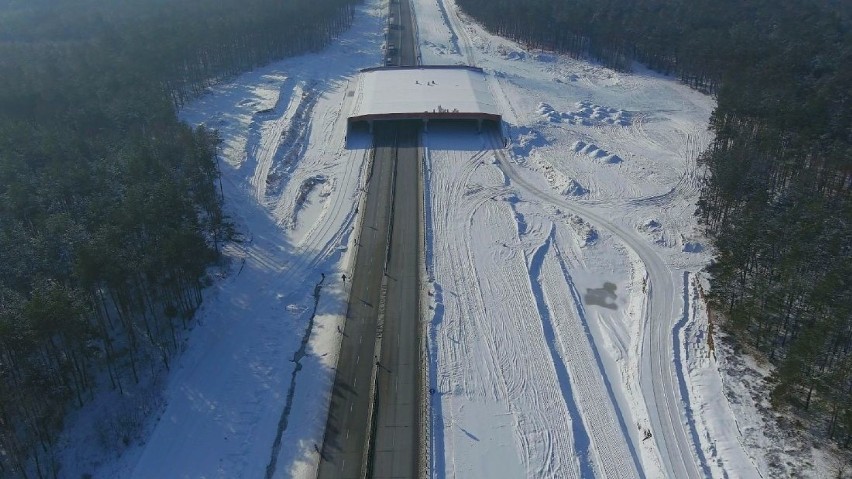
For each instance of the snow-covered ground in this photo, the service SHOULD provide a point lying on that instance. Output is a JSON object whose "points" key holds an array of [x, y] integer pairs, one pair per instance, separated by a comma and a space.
{"points": [[561, 287], [566, 337]]}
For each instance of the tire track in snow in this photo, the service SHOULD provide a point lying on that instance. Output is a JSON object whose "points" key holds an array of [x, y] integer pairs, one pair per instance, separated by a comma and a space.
{"points": [[466, 275], [453, 24], [273, 136], [511, 338], [654, 368], [437, 446], [582, 442], [687, 185], [570, 335], [282, 142], [681, 380], [454, 39], [333, 226], [293, 142], [450, 330], [609, 421], [264, 135], [656, 375]]}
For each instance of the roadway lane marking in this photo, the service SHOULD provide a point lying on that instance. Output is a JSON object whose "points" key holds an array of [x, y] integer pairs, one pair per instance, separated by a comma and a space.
{"points": [[355, 383], [357, 360]]}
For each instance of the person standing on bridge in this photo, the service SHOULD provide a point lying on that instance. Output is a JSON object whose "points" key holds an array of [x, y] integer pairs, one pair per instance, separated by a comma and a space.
{"points": [[344, 278]]}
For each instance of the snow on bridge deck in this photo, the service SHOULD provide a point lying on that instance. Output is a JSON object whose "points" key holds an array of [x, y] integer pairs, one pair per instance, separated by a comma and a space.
{"points": [[445, 92]]}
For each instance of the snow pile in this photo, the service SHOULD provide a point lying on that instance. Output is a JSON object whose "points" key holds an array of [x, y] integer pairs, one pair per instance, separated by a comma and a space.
{"points": [[585, 232], [592, 151], [586, 113], [527, 139], [574, 189]]}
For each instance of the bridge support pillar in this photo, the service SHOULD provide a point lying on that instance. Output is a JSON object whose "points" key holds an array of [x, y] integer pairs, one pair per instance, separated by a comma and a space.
{"points": [[370, 125], [479, 125], [426, 125]]}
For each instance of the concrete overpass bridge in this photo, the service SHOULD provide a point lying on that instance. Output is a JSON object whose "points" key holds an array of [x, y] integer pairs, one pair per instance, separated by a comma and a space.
{"points": [[425, 93]]}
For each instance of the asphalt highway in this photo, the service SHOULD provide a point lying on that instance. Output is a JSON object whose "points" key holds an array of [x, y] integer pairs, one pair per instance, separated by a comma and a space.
{"points": [[343, 449], [379, 438], [395, 450]]}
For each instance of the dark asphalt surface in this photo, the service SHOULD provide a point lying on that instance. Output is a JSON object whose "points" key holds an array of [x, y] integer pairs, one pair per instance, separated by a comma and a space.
{"points": [[394, 208], [397, 430], [346, 429], [396, 446]]}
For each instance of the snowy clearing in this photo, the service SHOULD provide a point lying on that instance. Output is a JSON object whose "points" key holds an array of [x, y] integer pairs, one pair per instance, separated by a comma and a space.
{"points": [[560, 294], [560, 270]]}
